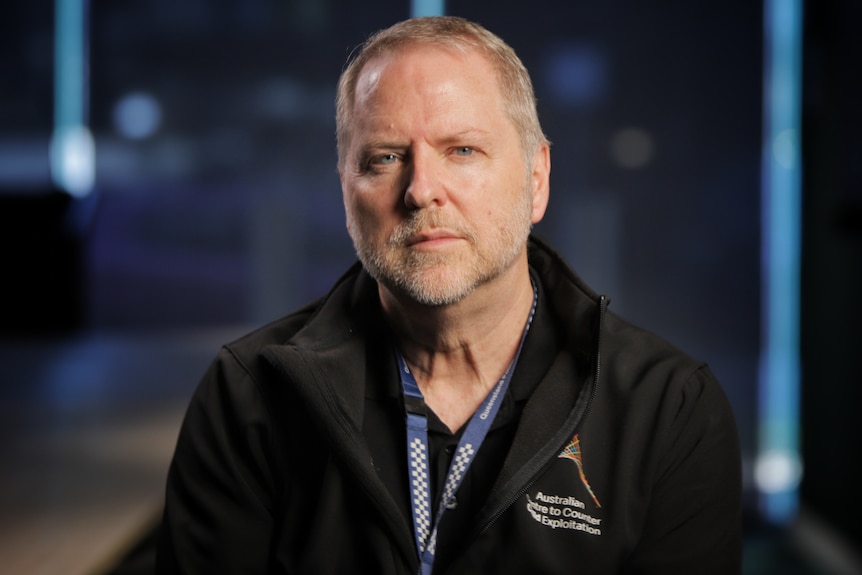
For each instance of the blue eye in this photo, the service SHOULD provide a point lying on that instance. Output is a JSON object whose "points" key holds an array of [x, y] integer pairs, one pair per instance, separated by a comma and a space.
{"points": [[464, 151], [386, 159]]}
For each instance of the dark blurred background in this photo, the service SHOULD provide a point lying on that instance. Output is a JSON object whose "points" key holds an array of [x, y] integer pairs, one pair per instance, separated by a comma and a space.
{"points": [[215, 184]]}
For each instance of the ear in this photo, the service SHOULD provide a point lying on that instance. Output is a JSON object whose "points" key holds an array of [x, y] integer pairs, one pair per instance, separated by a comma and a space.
{"points": [[540, 181]]}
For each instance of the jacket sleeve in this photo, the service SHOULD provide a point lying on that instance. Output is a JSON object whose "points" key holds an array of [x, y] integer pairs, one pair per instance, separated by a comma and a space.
{"points": [[218, 504], [694, 518]]}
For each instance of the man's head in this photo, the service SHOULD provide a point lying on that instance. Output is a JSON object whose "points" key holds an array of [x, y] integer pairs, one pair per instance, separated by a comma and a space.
{"points": [[440, 191], [455, 33]]}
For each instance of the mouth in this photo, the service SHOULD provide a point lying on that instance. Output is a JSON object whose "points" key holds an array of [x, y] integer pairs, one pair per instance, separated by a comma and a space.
{"points": [[432, 238]]}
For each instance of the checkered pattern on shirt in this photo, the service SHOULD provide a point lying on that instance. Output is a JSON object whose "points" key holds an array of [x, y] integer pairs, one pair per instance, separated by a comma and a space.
{"points": [[419, 483]]}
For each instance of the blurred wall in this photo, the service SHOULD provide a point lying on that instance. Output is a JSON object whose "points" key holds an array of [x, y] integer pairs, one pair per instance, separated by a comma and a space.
{"points": [[217, 201]]}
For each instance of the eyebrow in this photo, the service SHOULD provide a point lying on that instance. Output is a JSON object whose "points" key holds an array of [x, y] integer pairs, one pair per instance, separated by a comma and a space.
{"points": [[384, 144], [468, 134]]}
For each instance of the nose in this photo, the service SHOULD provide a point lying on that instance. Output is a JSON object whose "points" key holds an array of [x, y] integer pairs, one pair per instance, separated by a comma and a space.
{"points": [[424, 185]]}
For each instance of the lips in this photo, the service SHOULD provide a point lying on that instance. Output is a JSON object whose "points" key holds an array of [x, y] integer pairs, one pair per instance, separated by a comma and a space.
{"points": [[431, 237], [427, 228]]}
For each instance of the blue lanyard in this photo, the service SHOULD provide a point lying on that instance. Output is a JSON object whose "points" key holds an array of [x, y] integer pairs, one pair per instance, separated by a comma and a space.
{"points": [[418, 452]]}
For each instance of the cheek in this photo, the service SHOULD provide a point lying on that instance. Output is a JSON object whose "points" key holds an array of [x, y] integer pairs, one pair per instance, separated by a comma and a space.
{"points": [[359, 201], [369, 214], [366, 213]]}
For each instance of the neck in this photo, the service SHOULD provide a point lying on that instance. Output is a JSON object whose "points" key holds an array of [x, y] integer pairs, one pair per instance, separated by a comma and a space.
{"points": [[459, 352]]}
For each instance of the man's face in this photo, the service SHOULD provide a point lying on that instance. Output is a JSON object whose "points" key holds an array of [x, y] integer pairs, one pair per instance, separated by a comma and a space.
{"points": [[438, 197]]}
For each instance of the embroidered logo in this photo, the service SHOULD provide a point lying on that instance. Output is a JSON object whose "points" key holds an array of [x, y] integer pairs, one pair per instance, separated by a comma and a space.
{"points": [[562, 512], [573, 451]]}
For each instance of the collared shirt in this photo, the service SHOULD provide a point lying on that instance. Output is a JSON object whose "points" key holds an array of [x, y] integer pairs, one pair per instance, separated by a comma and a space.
{"points": [[384, 431]]}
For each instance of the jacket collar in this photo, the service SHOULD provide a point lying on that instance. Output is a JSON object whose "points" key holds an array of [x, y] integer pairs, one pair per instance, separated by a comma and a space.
{"points": [[563, 397], [326, 362], [331, 348]]}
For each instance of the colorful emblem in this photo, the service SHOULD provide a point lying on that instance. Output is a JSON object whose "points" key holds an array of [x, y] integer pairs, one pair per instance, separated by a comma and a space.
{"points": [[573, 451]]}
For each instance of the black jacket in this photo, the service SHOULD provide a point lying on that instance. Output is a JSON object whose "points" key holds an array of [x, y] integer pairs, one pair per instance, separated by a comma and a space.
{"points": [[626, 458]]}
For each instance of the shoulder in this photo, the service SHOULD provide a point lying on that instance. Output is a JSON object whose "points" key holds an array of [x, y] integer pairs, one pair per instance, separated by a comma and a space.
{"points": [[329, 316], [635, 352], [657, 383]]}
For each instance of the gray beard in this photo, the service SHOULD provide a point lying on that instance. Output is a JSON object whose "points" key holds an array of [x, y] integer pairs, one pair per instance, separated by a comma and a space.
{"points": [[418, 275]]}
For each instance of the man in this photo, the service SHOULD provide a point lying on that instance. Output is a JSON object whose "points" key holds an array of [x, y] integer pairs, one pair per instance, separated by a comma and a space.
{"points": [[460, 402]]}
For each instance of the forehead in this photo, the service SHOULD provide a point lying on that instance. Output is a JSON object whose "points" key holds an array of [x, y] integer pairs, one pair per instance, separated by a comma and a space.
{"points": [[429, 80], [427, 70]]}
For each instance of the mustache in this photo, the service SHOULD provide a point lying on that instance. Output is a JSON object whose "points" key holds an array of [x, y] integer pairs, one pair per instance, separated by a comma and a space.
{"points": [[423, 220]]}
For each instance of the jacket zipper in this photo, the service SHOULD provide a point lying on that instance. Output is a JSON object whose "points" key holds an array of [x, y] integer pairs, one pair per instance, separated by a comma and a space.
{"points": [[603, 306]]}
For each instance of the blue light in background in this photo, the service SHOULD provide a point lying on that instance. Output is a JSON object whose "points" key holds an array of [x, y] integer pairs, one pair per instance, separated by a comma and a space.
{"points": [[778, 467], [72, 150], [575, 75], [427, 8], [137, 115]]}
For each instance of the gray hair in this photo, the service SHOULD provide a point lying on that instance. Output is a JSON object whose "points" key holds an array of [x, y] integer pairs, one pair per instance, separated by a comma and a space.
{"points": [[452, 32]]}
